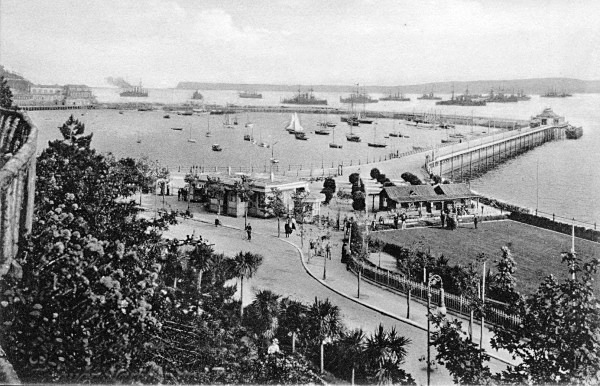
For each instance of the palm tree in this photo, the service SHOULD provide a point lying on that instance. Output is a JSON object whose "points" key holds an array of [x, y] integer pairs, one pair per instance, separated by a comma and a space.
{"points": [[201, 259], [325, 323], [351, 347], [293, 319], [385, 350], [262, 316], [245, 265]]}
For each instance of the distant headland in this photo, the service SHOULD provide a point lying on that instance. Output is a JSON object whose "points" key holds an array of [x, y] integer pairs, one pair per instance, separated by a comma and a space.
{"points": [[529, 86]]}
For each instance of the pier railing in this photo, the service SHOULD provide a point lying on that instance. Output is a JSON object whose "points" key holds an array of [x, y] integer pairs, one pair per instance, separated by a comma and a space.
{"points": [[495, 312]]}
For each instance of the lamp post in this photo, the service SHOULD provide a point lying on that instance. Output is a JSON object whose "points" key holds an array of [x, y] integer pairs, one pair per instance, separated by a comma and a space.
{"points": [[441, 310]]}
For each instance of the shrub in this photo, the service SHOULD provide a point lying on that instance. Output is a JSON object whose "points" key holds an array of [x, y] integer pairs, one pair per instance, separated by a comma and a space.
{"points": [[411, 178], [375, 173], [354, 178]]}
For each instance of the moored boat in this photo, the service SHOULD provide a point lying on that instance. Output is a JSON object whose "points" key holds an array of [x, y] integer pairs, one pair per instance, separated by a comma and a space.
{"points": [[573, 132], [217, 147], [306, 98], [250, 94]]}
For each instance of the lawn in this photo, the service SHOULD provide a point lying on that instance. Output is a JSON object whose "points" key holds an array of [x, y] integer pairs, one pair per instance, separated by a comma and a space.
{"points": [[536, 251]]}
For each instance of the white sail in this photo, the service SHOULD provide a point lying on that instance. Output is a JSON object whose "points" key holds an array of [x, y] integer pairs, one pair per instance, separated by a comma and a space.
{"points": [[290, 125], [297, 126]]}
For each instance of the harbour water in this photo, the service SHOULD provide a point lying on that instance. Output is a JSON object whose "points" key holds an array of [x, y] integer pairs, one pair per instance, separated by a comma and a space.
{"points": [[565, 183]]}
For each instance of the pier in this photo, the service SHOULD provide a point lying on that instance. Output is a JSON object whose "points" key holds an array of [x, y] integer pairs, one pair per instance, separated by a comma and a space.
{"points": [[462, 161]]}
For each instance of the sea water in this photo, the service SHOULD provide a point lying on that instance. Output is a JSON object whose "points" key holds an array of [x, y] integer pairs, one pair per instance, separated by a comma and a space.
{"points": [[559, 177]]}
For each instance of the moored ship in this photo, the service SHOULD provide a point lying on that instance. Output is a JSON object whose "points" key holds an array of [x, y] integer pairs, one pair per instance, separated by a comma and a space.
{"points": [[500, 97], [304, 98], [430, 97], [358, 98], [462, 100], [555, 94], [250, 94], [135, 91], [398, 97]]}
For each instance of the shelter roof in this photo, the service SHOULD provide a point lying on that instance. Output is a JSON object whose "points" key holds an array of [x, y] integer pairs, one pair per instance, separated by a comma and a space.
{"points": [[416, 193]]}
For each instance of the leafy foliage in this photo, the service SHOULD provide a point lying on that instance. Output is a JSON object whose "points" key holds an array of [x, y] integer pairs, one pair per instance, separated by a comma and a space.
{"points": [[558, 341], [328, 189], [463, 359], [411, 178], [5, 94], [374, 173]]}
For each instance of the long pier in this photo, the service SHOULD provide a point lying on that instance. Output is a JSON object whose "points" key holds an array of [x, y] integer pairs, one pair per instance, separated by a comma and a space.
{"points": [[461, 161]]}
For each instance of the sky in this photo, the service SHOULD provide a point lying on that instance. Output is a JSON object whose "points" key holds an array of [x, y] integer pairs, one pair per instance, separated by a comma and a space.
{"points": [[342, 42]]}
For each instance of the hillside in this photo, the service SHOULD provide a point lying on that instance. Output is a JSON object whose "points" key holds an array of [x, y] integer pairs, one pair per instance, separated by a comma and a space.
{"points": [[529, 86]]}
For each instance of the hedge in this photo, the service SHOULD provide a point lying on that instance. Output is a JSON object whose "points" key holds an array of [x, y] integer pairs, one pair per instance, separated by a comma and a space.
{"points": [[546, 223]]}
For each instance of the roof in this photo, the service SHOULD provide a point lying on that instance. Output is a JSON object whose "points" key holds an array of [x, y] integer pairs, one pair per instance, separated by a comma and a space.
{"points": [[416, 193], [410, 193], [548, 113], [454, 190]]}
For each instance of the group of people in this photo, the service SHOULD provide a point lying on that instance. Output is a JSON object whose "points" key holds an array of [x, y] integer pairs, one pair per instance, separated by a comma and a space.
{"points": [[319, 247], [290, 226], [182, 193]]}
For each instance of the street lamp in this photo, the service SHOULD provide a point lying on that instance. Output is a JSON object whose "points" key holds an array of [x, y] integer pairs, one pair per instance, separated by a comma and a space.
{"points": [[441, 310]]}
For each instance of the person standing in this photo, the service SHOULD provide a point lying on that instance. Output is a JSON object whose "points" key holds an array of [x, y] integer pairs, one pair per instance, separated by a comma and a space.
{"points": [[395, 220], [475, 220], [443, 219], [274, 347], [328, 250], [249, 232]]}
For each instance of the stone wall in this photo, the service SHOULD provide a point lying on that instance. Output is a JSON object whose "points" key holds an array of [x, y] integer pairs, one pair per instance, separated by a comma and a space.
{"points": [[18, 142]]}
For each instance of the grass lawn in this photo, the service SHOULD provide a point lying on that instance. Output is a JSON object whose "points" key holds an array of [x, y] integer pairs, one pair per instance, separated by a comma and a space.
{"points": [[536, 251]]}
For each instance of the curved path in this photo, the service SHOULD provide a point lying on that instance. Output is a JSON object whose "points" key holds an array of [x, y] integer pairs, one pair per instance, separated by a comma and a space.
{"points": [[286, 271]]}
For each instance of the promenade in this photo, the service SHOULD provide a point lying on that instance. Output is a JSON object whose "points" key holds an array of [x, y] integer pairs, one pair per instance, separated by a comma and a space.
{"points": [[287, 271]]}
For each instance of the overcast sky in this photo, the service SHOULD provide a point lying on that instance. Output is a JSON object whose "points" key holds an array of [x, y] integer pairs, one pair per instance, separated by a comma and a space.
{"points": [[305, 42]]}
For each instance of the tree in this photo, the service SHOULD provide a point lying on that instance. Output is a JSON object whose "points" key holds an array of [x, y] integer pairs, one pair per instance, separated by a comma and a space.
{"points": [[293, 321], [354, 178], [243, 189], [503, 285], [349, 354], [374, 173], [201, 259], [384, 353], [463, 359], [560, 325], [216, 189], [262, 316], [275, 205], [358, 201], [324, 324], [328, 189], [411, 178], [5, 94], [245, 265]]}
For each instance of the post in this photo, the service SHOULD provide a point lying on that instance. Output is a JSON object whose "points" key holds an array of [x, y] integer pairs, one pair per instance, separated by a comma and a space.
{"points": [[483, 305], [322, 361], [428, 333], [324, 266]]}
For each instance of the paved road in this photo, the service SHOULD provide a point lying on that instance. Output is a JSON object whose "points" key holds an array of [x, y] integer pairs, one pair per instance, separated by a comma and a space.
{"points": [[286, 271]]}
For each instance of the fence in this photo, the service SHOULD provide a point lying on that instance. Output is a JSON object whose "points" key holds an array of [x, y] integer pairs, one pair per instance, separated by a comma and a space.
{"points": [[494, 311]]}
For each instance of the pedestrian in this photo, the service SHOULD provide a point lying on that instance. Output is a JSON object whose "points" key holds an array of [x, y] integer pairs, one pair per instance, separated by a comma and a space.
{"points": [[403, 218], [179, 195], [475, 220], [396, 220], [344, 252], [249, 232], [293, 224], [482, 209], [328, 250], [443, 219], [288, 230]]}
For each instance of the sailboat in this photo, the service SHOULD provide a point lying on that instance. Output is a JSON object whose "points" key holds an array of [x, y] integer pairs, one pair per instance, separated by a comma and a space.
{"points": [[290, 127], [326, 123], [227, 122], [298, 129], [375, 143], [208, 133], [248, 124], [273, 159], [352, 137], [261, 143], [396, 133], [190, 139], [334, 145]]}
